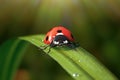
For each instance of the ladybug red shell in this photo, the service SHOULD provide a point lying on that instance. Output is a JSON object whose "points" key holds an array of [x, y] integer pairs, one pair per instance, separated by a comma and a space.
{"points": [[58, 36]]}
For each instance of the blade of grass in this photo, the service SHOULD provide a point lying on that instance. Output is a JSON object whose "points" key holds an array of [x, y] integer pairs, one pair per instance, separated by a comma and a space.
{"points": [[80, 64], [11, 53], [68, 64]]}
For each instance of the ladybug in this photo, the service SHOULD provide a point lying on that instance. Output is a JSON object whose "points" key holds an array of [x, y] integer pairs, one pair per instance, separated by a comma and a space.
{"points": [[59, 36]]}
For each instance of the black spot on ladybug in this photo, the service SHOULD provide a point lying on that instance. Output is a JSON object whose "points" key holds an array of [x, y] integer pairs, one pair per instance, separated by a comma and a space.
{"points": [[46, 38], [59, 31], [72, 36]]}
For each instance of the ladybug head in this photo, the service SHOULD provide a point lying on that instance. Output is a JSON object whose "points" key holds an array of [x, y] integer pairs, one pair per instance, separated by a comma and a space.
{"points": [[59, 40]]}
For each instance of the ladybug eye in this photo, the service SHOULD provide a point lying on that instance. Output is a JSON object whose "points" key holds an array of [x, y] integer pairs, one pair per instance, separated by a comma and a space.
{"points": [[59, 31], [46, 38], [72, 36]]}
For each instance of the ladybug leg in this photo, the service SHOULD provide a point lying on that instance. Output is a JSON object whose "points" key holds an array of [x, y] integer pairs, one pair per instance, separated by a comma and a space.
{"points": [[77, 44], [49, 50], [44, 47], [73, 45]]}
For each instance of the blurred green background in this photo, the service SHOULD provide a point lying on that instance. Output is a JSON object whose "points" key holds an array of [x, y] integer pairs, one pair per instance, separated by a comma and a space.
{"points": [[95, 24]]}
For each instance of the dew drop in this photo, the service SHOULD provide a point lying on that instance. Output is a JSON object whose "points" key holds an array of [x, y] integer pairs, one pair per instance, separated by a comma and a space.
{"points": [[75, 75], [79, 60]]}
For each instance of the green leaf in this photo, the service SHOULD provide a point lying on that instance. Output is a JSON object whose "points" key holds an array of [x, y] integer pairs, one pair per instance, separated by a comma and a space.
{"points": [[80, 64]]}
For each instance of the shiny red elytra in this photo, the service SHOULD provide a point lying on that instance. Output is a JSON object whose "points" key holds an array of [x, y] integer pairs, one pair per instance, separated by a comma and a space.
{"points": [[59, 36]]}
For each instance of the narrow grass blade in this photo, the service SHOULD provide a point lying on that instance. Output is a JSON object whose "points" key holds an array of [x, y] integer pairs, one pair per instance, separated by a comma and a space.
{"points": [[80, 64], [11, 53]]}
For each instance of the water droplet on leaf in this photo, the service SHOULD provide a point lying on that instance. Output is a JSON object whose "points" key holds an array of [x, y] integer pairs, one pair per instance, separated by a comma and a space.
{"points": [[75, 75], [79, 60]]}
